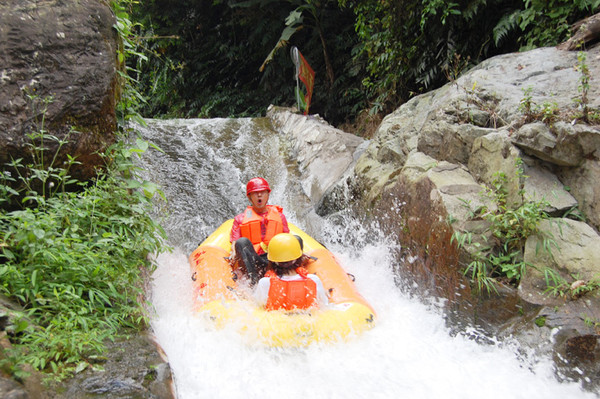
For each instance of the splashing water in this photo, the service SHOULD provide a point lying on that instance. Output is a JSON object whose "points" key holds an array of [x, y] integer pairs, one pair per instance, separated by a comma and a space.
{"points": [[410, 353]]}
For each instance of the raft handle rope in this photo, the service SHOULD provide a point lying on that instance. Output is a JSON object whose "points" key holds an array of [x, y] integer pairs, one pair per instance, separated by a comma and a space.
{"points": [[194, 276], [351, 277]]}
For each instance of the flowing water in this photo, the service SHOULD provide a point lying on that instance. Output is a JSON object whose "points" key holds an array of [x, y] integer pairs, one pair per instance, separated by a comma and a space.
{"points": [[411, 353]]}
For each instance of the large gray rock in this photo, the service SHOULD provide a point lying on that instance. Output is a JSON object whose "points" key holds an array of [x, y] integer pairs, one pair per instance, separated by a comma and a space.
{"points": [[494, 154], [449, 142], [583, 182], [567, 247], [541, 185], [551, 74], [59, 55], [561, 144], [395, 139], [478, 121], [132, 368], [324, 153]]}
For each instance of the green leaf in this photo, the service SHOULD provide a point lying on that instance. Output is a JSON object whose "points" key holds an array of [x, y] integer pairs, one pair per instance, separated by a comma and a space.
{"points": [[81, 366], [39, 233], [34, 277], [132, 183], [142, 145], [21, 326]]}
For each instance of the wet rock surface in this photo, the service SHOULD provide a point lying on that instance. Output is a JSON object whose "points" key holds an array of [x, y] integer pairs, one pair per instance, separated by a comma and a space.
{"points": [[132, 368]]}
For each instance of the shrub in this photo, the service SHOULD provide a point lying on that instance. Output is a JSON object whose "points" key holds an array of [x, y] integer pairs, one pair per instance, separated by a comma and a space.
{"points": [[74, 259], [509, 227]]}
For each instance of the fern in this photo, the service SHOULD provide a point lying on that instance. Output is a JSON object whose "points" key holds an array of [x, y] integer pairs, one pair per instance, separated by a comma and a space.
{"points": [[505, 26], [473, 9]]}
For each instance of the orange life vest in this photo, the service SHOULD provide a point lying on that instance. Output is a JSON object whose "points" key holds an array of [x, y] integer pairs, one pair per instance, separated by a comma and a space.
{"points": [[290, 295], [250, 226]]}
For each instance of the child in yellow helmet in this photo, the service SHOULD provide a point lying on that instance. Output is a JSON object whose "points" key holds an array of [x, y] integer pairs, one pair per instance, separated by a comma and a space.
{"points": [[288, 285]]}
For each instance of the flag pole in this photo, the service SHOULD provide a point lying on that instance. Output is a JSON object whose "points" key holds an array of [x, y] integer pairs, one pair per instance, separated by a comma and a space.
{"points": [[296, 61]]}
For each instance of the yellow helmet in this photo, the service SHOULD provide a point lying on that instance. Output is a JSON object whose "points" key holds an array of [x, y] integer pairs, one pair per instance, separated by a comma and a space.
{"points": [[284, 247]]}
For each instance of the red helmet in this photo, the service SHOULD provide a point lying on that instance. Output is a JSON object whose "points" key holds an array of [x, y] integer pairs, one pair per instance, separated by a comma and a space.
{"points": [[257, 184]]}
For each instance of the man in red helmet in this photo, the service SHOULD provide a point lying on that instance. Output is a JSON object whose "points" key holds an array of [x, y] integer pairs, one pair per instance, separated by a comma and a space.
{"points": [[253, 229]]}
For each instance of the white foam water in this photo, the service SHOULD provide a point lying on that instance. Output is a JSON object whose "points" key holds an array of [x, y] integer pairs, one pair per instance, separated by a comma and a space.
{"points": [[408, 354]]}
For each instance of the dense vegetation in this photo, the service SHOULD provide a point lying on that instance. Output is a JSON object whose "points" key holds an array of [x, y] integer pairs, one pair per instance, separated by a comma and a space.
{"points": [[204, 56], [74, 260], [74, 255]]}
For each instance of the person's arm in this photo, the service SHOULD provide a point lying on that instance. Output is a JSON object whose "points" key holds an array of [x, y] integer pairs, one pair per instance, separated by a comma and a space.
{"points": [[322, 298], [261, 291], [236, 233]]}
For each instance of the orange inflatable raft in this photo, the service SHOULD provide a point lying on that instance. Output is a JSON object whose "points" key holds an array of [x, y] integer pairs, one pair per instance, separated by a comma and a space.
{"points": [[218, 297]]}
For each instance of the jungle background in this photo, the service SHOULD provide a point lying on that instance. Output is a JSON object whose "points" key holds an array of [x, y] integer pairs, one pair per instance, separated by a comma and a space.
{"points": [[203, 58]]}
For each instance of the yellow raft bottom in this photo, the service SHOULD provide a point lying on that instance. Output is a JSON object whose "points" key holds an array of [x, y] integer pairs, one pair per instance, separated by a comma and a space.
{"points": [[338, 322]]}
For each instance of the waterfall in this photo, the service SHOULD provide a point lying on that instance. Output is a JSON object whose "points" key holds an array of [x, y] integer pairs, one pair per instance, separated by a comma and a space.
{"points": [[410, 353]]}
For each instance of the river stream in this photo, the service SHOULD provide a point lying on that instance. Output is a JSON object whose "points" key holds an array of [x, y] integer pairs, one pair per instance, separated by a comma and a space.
{"points": [[411, 352]]}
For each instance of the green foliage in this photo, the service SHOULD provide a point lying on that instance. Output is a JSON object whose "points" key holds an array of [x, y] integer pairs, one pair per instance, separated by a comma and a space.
{"points": [[131, 99], [543, 22], [509, 228], [526, 104], [204, 57], [293, 23], [34, 185], [73, 259], [591, 322], [73, 254], [479, 272], [584, 83], [559, 286], [409, 46], [584, 287], [548, 112], [585, 113]]}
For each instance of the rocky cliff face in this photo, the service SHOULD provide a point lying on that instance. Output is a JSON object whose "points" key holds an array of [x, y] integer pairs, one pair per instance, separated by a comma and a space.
{"points": [[434, 157], [426, 171], [58, 72]]}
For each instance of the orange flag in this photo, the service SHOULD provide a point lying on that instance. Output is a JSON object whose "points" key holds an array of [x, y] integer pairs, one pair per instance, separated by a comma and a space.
{"points": [[307, 76]]}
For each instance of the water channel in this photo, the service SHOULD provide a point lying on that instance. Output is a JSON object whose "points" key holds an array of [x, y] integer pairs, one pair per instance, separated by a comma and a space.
{"points": [[411, 353]]}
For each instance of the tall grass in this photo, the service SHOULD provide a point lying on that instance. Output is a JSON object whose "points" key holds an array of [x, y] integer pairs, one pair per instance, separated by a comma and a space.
{"points": [[73, 256]]}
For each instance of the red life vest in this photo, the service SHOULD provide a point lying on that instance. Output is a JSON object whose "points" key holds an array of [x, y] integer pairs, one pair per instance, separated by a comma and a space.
{"points": [[290, 295], [250, 226]]}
